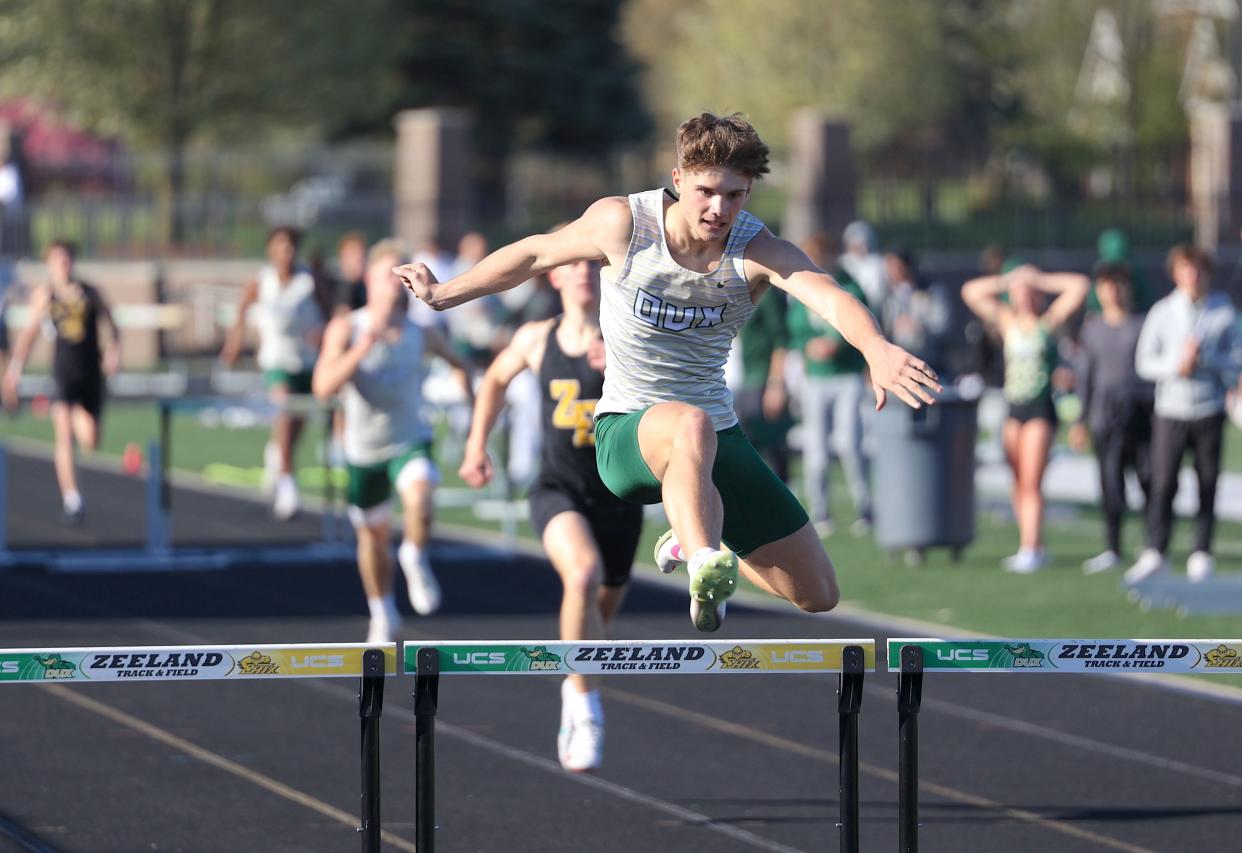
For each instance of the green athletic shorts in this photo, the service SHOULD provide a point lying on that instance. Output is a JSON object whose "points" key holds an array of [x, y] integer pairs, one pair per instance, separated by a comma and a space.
{"points": [[371, 485], [296, 383], [758, 507]]}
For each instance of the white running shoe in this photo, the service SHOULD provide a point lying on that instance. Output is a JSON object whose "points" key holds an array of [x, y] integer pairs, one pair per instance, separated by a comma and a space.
{"points": [[667, 551], [1200, 566], [713, 579], [1027, 561], [420, 581], [382, 631], [287, 501], [1151, 562], [1101, 563], [580, 742]]}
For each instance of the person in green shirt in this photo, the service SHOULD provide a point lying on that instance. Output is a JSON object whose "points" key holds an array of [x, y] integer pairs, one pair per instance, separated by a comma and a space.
{"points": [[761, 401], [832, 399]]}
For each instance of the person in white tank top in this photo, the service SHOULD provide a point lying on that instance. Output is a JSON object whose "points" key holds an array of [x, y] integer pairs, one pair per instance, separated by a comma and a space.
{"points": [[290, 325], [682, 273], [374, 357]]}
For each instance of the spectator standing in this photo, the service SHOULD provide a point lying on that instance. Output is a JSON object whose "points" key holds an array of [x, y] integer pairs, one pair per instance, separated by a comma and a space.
{"points": [[916, 314], [1189, 347], [1027, 329], [831, 400], [1116, 404], [863, 261]]}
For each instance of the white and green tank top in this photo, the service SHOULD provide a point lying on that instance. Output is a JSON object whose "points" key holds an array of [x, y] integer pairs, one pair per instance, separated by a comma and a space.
{"points": [[288, 317], [668, 329], [383, 400], [1030, 356]]}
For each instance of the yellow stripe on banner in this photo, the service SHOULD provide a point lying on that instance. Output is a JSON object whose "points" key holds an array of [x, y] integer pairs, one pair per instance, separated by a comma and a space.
{"points": [[798, 748], [206, 756]]}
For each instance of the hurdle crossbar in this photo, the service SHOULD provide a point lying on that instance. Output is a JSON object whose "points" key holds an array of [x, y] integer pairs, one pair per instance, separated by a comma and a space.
{"points": [[850, 659]]}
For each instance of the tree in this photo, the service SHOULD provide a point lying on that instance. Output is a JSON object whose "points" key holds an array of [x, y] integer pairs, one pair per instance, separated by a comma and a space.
{"points": [[167, 73], [545, 74]]}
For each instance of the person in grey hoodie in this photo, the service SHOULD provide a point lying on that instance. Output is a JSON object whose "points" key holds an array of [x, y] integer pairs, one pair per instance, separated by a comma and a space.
{"points": [[1189, 347]]}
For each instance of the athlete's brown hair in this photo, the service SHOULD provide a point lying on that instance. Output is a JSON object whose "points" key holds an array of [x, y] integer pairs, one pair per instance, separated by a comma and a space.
{"points": [[1192, 253], [708, 141]]}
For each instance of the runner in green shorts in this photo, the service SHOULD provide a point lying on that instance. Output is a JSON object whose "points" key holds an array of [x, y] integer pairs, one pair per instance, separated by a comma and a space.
{"points": [[291, 324], [683, 272], [374, 357]]}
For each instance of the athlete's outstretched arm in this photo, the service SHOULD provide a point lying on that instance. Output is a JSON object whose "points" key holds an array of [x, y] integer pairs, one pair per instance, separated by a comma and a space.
{"points": [[338, 360], [592, 237], [892, 368], [112, 349], [524, 351], [236, 337]]}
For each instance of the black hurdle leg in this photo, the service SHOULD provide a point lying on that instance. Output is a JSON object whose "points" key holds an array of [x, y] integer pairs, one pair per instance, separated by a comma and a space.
{"points": [[370, 706], [426, 700], [849, 701], [909, 701]]}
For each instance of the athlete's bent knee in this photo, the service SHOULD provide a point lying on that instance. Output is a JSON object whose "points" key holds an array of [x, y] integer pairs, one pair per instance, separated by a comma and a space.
{"points": [[695, 426], [821, 600], [582, 579]]}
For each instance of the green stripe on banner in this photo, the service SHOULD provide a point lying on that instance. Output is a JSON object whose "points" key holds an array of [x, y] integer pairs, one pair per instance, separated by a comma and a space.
{"points": [[994, 655], [652, 657], [189, 663]]}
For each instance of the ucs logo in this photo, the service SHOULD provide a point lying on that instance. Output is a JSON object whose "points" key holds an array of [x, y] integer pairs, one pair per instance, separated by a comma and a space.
{"points": [[479, 658], [798, 656], [962, 655], [10, 667]]}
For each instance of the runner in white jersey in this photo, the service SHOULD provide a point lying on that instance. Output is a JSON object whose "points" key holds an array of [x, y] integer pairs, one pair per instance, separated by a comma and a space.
{"points": [[374, 358], [683, 273], [290, 327]]}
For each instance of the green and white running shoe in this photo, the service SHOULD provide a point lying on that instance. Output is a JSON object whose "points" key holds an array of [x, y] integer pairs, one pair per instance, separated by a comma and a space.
{"points": [[668, 553], [712, 581]]}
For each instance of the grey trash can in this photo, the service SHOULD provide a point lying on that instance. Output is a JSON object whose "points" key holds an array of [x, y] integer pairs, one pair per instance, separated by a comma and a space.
{"points": [[923, 473]]}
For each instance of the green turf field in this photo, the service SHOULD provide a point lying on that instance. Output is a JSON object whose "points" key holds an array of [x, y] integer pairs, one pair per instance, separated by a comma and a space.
{"points": [[972, 594]]}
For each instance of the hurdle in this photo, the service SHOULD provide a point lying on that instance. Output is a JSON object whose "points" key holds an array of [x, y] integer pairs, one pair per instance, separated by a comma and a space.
{"points": [[850, 659], [371, 664], [911, 658]]}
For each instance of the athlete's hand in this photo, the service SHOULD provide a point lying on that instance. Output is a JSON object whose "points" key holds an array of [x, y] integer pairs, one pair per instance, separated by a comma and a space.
{"points": [[894, 369], [230, 351], [476, 468], [111, 361], [418, 280]]}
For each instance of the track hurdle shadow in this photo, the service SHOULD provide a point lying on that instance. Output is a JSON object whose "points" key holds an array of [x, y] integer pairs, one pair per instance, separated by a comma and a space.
{"points": [[850, 659]]}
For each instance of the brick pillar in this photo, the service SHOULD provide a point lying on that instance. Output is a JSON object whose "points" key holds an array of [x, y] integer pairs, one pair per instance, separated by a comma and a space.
{"points": [[1216, 173], [433, 189], [822, 182]]}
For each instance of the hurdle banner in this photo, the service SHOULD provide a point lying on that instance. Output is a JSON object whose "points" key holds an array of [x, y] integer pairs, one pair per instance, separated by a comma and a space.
{"points": [[189, 663], [1074, 655], [619, 657], [850, 659]]}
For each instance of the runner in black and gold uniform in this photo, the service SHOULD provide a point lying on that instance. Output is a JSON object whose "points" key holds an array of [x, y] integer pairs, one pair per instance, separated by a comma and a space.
{"points": [[70, 310], [589, 534]]}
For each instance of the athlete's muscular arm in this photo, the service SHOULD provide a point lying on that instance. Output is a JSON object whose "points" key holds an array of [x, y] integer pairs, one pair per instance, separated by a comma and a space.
{"points": [[36, 312], [338, 360], [602, 233], [892, 368], [524, 351], [437, 344], [237, 334]]}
